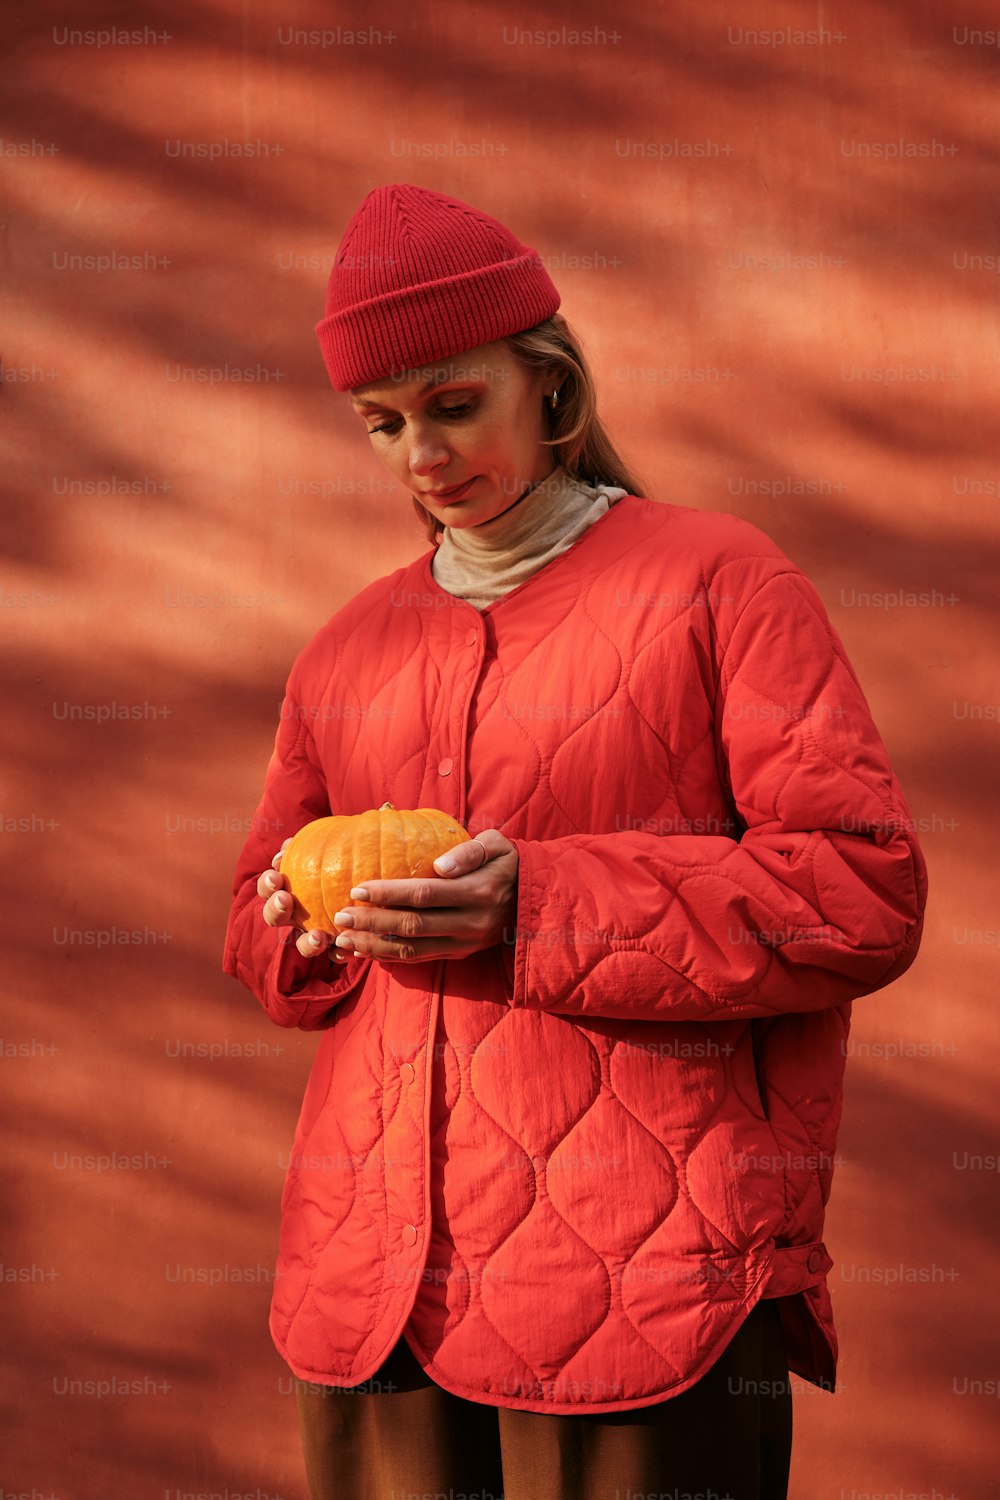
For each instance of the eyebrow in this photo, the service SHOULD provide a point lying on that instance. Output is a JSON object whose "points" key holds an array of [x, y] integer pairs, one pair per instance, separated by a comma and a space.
{"points": [[428, 385]]}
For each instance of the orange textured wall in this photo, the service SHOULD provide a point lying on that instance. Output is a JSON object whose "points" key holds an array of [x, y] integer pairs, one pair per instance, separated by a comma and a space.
{"points": [[780, 248]]}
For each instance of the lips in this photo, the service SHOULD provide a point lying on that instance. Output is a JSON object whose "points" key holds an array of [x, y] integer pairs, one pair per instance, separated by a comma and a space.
{"points": [[456, 492]]}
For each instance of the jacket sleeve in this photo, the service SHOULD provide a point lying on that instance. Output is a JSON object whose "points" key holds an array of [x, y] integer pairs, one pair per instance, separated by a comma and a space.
{"points": [[295, 991], [820, 899]]}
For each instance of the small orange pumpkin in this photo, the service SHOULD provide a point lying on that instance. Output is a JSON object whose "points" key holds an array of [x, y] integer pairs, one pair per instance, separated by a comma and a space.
{"points": [[330, 855]]}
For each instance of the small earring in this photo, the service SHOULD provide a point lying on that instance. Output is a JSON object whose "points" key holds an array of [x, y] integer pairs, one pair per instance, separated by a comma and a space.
{"points": [[554, 399]]}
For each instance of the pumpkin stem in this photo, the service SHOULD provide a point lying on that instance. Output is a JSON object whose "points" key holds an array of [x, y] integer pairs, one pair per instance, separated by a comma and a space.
{"points": [[387, 805]]}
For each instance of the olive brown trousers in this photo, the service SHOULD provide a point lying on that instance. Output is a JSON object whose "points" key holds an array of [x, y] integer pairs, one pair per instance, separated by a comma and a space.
{"points": [[398, 1436]]}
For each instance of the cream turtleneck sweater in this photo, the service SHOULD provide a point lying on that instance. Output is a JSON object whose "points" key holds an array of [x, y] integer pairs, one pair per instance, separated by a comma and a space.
{"points": [[482, 563]]}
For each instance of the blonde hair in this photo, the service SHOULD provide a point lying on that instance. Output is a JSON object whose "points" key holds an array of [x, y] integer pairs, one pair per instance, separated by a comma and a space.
{"points": [[579, 442]]}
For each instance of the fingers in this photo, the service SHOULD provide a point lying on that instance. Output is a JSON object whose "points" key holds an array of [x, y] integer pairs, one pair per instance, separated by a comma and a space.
{"points": [[276, 861], [311, 944], [384, 947], [278, 911], [464, 858], [279, 908], [394, 932], [398, 920], [270, 881], [278, 903]]}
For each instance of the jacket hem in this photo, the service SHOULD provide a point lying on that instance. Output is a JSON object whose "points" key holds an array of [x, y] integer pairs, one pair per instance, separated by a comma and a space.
{"points": [[483, 1397], [583, 1408]]}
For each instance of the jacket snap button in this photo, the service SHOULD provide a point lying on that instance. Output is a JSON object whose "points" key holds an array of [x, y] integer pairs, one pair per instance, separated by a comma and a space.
{"points": [[409, 1235], [407, 1073], [444, 766], [471, 638], [815, 1260]]}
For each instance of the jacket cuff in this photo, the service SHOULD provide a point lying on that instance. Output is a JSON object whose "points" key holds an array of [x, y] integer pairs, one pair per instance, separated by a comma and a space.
{"points": [[300, 991], [514, 946]]}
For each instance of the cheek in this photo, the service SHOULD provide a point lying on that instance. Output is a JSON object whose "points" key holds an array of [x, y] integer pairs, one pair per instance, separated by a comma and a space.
{"points": [[394, 462], [481, 439], [506, 433], [528, 419]]}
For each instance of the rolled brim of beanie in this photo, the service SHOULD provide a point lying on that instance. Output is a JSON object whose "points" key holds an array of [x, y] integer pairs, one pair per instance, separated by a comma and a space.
{"points": [[399, 331]]}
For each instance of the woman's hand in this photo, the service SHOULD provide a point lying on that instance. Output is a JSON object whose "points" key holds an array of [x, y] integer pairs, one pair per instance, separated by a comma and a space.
{"points": [[470, 907], [278, 906]]}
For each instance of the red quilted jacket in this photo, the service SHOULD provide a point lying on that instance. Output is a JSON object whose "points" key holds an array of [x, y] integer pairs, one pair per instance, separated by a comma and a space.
{"points": [[567, 1167]]}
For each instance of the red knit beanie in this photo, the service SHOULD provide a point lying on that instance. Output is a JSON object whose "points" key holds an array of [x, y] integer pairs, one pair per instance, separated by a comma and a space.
{"points": [[419, 276]]}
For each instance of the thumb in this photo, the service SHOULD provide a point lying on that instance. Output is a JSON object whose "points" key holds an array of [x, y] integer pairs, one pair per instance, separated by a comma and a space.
{"points": [[463, 858]]}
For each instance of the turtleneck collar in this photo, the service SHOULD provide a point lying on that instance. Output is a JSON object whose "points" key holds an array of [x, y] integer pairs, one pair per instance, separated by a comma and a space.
{"points": [[482, 563]]}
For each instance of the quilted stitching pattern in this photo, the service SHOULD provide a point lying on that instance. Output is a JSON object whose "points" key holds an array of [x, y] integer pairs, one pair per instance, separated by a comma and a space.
{"points": [[570, 1178]]}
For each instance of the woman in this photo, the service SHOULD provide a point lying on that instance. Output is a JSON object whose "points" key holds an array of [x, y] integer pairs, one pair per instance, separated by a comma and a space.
{"points": [[552, 1225]]}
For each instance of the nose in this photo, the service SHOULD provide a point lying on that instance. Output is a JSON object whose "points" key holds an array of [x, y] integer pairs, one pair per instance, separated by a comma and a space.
{"points": [[428, 450]]}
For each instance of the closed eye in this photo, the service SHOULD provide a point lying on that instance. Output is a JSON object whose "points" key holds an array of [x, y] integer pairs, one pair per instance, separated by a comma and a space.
{"points": [[449, 413]]}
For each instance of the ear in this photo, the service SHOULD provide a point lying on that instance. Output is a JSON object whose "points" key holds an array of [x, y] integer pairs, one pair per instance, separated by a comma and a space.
{"points": [[555, 379]]}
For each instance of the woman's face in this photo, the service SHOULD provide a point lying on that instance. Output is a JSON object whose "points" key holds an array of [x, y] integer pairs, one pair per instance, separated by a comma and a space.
{"points": [[463, 434]]}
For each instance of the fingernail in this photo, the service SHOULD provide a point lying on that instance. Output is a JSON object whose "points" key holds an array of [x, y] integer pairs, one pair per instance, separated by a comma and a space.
{"points": [[358, 893], [346, 941], [446, 862], [343, 919], [315, 941], [280, 902]]}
